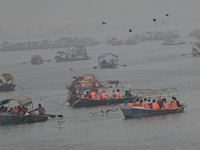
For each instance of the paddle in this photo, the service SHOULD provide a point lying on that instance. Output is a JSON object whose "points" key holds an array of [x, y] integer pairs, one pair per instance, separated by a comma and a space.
{"points": [[53, 116], [19, 86], [63, 103], [181, 107], [186, 54]]}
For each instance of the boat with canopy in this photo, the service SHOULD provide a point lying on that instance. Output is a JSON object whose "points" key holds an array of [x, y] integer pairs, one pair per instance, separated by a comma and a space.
{"points": [[108, 60], [8, 85]]}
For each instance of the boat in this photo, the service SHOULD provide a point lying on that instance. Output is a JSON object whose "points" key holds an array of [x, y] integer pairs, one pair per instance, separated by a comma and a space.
{"points": [[9, 118], [75, 91], [114, 41], [36, 59], [79, 54], [137, 112], [29, 117], [7, 86], [108, 60], [196, 49], [173, 43]]}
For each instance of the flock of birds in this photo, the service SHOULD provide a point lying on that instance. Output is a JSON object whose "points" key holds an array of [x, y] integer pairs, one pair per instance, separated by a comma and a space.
{"points": [[105, 113]]}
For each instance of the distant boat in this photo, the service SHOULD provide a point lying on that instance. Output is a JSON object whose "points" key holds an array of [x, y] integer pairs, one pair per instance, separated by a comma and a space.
{"points": [[8, 85], [112, 63], [173, 43], [36, 59]]}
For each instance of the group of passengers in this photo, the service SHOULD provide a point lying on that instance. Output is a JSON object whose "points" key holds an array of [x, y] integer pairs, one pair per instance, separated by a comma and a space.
{"points": [[153, 104], [6, 83], [103, 95], [17, 110]]}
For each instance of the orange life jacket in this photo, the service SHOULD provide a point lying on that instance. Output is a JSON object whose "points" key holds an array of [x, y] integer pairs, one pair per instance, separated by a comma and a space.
{"points": [[173, 104], [83, 96], [155, 105], [96, 84], [93, 95], [130, 104], [116, 94], [14, 110], [144, 104], [103, 95], [165, 105], [138, 103], [83, 85]]}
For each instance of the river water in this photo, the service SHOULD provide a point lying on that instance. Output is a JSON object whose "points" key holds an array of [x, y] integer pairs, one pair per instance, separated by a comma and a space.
{"points": [[149, 65]]}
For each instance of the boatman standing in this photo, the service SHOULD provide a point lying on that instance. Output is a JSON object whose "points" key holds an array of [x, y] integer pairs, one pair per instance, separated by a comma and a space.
{"points": [[40, 109]]}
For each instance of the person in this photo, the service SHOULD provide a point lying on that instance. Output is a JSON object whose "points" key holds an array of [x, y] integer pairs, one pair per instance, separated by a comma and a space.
{"points": [[160, 103], [40, 109], [173, 103], [118, 90], [104, 62], [8, 82], [1, 82], [24, 109], [127, 93], [165, 104], [137, 103], [93, 95], [149, 102], [155, 105], [103, 95], [14, 110], [20, 112], [130, 103], [144, 104], [115, 94], [177, 102]]}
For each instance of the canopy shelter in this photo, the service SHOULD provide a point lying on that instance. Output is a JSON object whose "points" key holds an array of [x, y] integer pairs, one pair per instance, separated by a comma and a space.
{"points": [[22, 100], [105, 63], [7, 76]]}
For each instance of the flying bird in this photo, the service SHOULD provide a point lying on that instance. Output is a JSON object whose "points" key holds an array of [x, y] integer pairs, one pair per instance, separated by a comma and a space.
{"points": [[167, 15], [154, 19], [114, 110], [104, 23], [92, 113], [130, 30], [60, 122], [71, 69], [105, 113]]}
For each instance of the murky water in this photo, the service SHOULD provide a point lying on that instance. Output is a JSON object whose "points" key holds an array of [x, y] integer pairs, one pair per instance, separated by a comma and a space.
{"points": [[149, 65]]}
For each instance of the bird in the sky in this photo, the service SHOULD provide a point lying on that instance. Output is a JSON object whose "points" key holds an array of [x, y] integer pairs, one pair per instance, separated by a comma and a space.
{"points": [[154, 19], [130, 30], [60, 122], [105, 113], [71, 69], [92, 113], [104, 23], [167, 15]]}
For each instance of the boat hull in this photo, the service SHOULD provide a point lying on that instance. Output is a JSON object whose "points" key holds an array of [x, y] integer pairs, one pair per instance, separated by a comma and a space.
{"points": [[8, 118], [179, 43], [35, 118], [109, 66], [9, 87], [81, 102], [60, 59], [136, 112]]}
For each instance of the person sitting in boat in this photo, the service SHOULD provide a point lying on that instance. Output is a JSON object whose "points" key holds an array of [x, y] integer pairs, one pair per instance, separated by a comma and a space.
{"points": [[160, 103], [103, 95], [177, 102], [83, 95], [165, 104], [1, 82], [155, 105], [93, 95], [40, 109], [95, 84], [111, 61], [149, 102], [8, 82], [137, 103], [144, 103], [127, 93], [130, 103], [2, 109], [173, 103], [104, 62], [24, 109], [115, 94], [118, 92], [14, 110], [20, 112]]}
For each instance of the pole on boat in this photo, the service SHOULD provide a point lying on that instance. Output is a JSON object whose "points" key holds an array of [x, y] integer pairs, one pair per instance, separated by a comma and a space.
{"points": [[186, 54], [19, 86]]}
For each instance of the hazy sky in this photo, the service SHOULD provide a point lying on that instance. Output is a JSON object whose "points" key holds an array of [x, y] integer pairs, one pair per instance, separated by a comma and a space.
{"points": [[85, 16]]}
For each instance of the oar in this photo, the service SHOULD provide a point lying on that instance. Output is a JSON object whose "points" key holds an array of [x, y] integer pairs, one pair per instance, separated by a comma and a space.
{"points": [[18, 86], [64, 103], [186, 54], [123, 65], [53, 116], [181, 107]]}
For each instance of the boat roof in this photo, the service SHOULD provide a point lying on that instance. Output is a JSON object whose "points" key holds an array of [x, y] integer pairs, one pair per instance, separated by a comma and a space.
{"points": [[106, 54], [22, 100], [7, 76]]}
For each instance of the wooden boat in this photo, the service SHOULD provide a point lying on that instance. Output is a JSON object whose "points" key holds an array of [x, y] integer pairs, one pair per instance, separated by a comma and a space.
{"points": [[36, 59], [137, 112], [76, 101], [8, 85], [32, 117], [9, 118], [112, 63], [75, 89], [62, 59], [196, 49], [173, 43]]}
